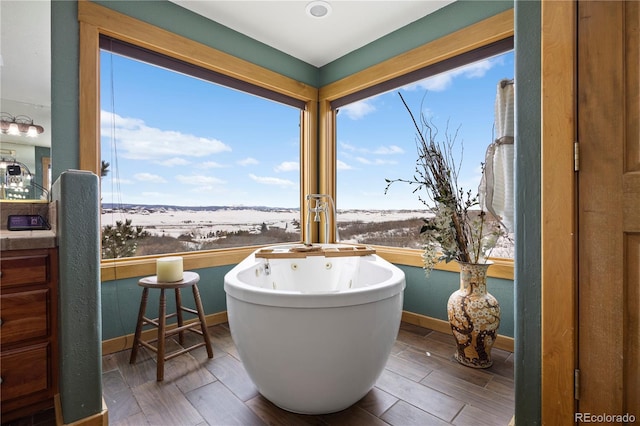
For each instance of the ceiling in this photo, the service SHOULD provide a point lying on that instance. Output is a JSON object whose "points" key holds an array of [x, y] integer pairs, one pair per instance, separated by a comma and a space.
{"points": [[285, 25], [25, 43]]}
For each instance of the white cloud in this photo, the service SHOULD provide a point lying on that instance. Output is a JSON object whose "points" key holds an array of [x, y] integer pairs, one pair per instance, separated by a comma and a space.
{"points": [[357, 110], [199, 180], [287, 166], [149, 177], [115, 181], [210, 165], [348, 147], [172, 162], [381, 150], [248, 162], [443, 81], [342, 165], [479, 69], [271, 180], [389, 150], [138, 141], [376, 162], [437, 83]]}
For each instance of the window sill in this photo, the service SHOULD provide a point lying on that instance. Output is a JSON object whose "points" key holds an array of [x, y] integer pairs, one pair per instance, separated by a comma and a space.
{"points": [[502, 268], [117, 269]]}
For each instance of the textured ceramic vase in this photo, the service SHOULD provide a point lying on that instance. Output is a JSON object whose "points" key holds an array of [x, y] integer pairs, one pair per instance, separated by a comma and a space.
{"points": [[474, 316]]}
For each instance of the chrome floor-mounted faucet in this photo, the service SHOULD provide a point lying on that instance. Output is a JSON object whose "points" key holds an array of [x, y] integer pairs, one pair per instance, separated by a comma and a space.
{"points": [[318, 205]]}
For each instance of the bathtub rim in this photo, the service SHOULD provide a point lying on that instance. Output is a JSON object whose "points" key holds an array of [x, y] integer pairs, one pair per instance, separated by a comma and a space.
{"points": [[237, 289]]}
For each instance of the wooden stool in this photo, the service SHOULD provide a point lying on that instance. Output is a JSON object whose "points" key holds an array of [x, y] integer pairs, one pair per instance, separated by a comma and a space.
{"points": [[190, 279]]}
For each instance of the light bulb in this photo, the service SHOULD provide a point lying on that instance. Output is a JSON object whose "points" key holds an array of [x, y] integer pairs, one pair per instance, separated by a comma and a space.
{"points": [[13, 129]]}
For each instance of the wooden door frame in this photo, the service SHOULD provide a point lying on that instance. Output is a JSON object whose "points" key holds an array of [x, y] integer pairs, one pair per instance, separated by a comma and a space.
{"points": [[558, 199]]}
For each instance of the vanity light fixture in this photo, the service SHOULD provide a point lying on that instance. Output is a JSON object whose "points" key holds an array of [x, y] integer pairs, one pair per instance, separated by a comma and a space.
{"points": [[17, 182], [318, 9], [19, 125]]}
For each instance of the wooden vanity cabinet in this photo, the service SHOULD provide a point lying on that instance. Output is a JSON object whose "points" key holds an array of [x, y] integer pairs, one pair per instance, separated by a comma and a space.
{"points": [[28, 331]]}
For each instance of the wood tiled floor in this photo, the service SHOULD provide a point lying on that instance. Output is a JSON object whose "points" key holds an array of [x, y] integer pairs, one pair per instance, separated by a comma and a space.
{"points": [[421, 385]]}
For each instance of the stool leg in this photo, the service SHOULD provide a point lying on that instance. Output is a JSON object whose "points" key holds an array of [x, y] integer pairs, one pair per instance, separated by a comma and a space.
{"points": [[203, 321], [162, 319], [136, 338], [179, 315]]}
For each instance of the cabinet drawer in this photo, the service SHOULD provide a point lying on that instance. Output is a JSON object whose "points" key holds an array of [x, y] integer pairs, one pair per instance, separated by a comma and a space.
{"points": [[24, 371], [24, 315], [28, 269]]}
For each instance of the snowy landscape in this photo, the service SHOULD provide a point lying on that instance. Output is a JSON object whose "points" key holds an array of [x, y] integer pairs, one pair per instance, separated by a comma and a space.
{"points": [[175, 229]]}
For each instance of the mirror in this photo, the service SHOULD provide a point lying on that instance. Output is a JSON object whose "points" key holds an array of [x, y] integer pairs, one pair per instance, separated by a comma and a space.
{"points": [[25, 100]]}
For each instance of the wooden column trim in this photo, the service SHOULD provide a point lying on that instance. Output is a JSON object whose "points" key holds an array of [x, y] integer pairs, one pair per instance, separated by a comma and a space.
{"points": [[327, 154], [308, 164], [558, 227], [89, 112]]}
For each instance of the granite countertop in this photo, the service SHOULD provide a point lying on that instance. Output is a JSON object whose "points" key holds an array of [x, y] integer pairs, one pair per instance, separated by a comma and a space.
{"points": [[24, 240]]}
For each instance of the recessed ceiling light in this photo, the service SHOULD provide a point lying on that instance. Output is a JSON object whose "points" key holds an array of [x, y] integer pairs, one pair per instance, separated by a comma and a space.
{"points": [[318, 9]]}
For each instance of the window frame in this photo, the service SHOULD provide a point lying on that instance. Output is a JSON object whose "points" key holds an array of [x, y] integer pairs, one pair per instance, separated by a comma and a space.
{"points": [[494, 29], [96, 20], [318, 122]]}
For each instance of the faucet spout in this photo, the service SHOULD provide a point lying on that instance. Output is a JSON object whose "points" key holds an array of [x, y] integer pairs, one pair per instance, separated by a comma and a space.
{"points": [[319, 205]]}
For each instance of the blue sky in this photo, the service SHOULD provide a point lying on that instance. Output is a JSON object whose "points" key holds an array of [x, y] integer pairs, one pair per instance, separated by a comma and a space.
{"points": [[173, 139]]}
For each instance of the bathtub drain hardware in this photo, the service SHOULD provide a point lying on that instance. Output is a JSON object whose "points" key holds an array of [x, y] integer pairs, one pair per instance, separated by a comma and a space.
{"points": [[327, 265], [294, 266]]}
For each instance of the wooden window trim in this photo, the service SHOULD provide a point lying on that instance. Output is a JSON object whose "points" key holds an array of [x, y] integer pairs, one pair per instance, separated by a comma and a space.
{"points": [[496, 28], [318, 155], [131, 51], [96, 20]]}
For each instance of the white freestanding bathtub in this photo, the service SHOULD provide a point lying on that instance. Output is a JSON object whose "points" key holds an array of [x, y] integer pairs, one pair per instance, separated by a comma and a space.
{"points": [[314, 333]]}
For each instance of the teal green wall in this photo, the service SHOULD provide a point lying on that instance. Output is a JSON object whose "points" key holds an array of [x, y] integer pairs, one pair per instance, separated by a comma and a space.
{"points": [[181, 21], [528, 216], [64, 87], [79, 328], [429, 296], [121, 300], [425, 296], [447, 20]]}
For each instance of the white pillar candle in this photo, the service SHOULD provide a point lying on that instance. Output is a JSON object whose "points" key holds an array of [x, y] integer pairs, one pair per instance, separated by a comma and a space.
{"points": [[169, 269]]}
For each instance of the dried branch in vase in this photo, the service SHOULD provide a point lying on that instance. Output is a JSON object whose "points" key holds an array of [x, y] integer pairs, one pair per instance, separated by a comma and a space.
{"points": [[457, 228]]}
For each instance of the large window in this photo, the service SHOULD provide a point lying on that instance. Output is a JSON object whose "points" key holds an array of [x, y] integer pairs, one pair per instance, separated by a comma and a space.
{"points": [[189, 164], [317, 156], [376, 140]]}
